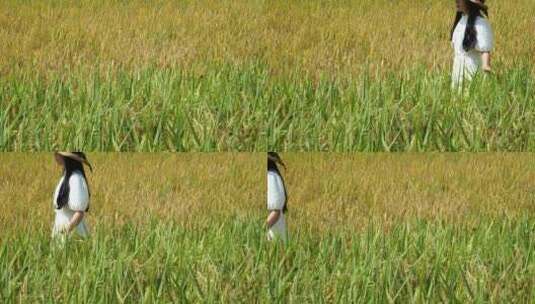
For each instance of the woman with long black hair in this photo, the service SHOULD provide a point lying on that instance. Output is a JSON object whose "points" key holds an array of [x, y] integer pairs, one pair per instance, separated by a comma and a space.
{"points": [[472, 40], [276, 199], [71, 197]]}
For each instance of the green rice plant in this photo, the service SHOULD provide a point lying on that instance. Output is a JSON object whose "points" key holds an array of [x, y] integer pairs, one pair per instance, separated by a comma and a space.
{"points": [[412, 111], [229, 261], [247, 109], [257, 75], [150, 110], [189, 227]]}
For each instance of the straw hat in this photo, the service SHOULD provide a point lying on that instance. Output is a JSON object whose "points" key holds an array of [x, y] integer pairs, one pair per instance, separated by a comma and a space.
{"points": [[480, 3], [274, 156], [77, 156]]}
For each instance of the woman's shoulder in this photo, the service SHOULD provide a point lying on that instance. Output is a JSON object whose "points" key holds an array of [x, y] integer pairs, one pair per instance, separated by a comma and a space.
{"points": [[273, 175], [77, 179], [482, 22], [485, 36], [78, 195]]}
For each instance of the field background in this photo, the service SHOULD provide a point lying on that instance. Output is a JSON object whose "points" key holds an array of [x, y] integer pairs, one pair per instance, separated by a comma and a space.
{"points": [[135, 186], [368, 75], [189, 227]]}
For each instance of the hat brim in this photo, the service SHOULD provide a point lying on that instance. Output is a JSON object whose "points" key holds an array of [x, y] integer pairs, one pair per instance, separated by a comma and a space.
{"points": [[75, 157], [480, 4], [277, 160]]}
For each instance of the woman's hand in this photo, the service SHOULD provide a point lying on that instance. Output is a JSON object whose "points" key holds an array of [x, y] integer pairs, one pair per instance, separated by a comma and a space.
{"points": [[273, 217], [485, 59], [76, 219]]}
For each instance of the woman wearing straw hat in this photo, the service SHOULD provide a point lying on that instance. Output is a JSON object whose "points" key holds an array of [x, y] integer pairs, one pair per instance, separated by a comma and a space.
{"points": [[71, 197], [276, 199], [472, 40]]}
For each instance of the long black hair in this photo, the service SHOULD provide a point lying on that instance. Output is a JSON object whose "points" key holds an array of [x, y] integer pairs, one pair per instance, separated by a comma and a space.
{"points": [[470, 34], [70, 167], [272, 167]]}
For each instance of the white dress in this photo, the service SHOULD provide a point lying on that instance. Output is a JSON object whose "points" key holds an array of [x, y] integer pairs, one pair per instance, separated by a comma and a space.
{"points": [[276, 199], [466, 64], [78, 201]]}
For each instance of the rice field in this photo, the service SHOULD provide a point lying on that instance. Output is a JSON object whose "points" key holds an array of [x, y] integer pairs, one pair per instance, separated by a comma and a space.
{"points": [[245, 77], [257, 75], [147, 111], [189, 228]]}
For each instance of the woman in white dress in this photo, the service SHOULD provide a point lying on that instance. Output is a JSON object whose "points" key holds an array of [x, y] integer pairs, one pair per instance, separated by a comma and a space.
{"points": [[472, 40], [276, 199], [71, 197]]}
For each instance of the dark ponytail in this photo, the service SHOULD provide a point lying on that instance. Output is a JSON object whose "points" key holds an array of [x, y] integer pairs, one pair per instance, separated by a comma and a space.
{"points": [[71, 165], [470, 33], [272, 167], [458, 17]]}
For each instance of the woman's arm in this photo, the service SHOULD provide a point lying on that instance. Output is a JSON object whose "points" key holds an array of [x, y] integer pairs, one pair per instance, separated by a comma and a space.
{"points": [[273, 217], [76, 219], [485, 58]]}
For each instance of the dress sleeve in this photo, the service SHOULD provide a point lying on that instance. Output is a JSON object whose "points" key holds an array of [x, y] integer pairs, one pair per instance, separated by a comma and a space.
{"points": [[485, 37], [275, 197], [78, 194]]}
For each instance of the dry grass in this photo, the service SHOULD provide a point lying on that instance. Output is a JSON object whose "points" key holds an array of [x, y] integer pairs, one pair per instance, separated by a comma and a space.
{"points": [[327, 191], [351, 190], [318, 37], [135, 187]]}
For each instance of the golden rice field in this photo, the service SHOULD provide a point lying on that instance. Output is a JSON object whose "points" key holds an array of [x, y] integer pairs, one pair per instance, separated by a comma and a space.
{"points": [[135, 186], [391, 228], [369, 75], [317, 37], [448, 187]]}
